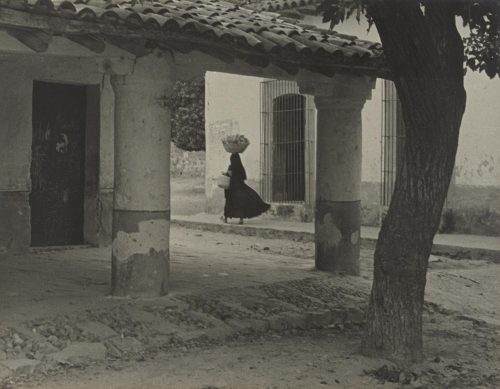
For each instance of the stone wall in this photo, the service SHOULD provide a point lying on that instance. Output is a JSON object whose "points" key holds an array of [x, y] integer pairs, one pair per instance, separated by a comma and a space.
{"points": [[468, 209], [186, 163], [472, 210]]}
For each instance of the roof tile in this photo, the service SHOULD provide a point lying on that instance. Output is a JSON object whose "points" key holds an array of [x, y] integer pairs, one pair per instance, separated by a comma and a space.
{"points": [[245, 29]]}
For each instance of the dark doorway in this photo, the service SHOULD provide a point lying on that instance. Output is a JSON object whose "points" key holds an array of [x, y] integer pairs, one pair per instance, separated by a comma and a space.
{"points": [[58, 164], [288, 148]]}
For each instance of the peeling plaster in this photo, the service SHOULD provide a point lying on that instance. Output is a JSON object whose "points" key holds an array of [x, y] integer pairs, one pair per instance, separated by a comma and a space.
{"points": [[328, 231], [152, 235]]}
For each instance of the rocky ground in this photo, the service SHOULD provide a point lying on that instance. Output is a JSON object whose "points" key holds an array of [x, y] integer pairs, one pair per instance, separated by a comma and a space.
{"points": [[284, 326]]}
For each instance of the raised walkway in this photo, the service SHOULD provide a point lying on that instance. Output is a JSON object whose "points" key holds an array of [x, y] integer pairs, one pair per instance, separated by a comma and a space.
{"points": [[453, 245]]}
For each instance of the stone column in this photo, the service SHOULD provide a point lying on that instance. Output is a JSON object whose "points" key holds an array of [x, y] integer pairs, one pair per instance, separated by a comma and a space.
{"points": [[141, 211], [338, 171]]}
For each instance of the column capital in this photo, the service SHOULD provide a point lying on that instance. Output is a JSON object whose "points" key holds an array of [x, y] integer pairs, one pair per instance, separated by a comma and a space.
{"points": [[342, 88]]}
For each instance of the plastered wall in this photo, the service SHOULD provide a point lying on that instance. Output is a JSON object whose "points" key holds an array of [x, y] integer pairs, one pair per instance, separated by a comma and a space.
{"points": [[474, 197], [478, 156], [17, 73], [232, 106]]}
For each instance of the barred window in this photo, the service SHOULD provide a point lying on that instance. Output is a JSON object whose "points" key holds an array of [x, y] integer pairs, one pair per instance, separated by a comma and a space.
{"points": [[393, 136], [285, 139]]}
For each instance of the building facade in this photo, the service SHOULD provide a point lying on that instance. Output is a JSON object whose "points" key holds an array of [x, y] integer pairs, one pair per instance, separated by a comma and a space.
{"points": [[279, 120], [85, 121]]}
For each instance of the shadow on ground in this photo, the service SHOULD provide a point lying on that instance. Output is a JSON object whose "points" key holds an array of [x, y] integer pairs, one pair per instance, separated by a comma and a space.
{"points": [[227, 290]]}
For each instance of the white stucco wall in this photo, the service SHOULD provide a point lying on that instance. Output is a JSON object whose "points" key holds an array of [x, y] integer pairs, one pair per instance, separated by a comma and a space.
{"points": [[474, 196], [232, 106], [234, 98], [237, 99], [372, 116], [478, 155]]}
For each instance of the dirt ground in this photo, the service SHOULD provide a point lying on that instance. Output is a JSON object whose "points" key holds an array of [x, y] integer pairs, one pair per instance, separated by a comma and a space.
{"points": [[461, 329], [187, 195], [458, 356]]}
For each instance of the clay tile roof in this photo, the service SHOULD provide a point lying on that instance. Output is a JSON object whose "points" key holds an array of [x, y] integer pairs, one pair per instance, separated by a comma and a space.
{"points": [[213, 25], [279, 5]]}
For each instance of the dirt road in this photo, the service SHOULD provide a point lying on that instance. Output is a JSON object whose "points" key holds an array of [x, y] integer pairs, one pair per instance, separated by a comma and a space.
{"points": [[461, 326]]}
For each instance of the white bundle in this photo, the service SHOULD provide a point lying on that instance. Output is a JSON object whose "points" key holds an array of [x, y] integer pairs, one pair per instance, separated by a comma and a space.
{"points": [[235, 143]]}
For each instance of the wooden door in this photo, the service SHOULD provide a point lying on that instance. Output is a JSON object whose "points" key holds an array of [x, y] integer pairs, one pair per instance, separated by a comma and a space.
{"points": [[58, 163]]}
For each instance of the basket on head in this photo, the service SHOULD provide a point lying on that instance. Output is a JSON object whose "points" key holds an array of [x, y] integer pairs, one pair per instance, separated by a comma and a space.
{"points": [[235, 143]]}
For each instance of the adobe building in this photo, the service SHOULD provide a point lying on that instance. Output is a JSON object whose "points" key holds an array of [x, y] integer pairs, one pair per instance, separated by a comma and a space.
{"points": [[85, 129], [279, 118]]}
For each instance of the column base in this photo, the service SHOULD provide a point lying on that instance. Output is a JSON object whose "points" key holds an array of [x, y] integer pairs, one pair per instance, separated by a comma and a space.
{"points": [[337, 236], [140, 259]]}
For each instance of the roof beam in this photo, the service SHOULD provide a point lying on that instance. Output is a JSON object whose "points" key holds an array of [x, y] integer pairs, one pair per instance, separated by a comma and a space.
{"points": [[36, 40], [181, 48], [222, 55], [90, 42], [138, 47]]}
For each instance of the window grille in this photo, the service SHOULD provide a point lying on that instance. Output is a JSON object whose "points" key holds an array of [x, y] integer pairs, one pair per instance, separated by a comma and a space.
{"points": [[286, 142], [393, 136]]}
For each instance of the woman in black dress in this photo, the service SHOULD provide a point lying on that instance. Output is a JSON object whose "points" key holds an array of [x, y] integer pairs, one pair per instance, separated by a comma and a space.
{"points": [[241, 201]]}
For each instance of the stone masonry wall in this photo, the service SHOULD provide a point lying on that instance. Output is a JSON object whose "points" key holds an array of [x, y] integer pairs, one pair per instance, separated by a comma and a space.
{"points": [[186, 163]]}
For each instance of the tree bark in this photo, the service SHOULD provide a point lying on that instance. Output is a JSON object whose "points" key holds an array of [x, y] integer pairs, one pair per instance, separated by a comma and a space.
{"points": [[425, 52]]}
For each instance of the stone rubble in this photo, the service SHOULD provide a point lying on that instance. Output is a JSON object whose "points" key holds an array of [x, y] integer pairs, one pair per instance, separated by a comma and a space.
{"points": [[132, 330]]}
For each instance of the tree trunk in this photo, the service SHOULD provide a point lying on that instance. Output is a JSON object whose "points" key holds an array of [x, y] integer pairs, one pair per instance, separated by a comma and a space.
{"points": [[426, 55]]}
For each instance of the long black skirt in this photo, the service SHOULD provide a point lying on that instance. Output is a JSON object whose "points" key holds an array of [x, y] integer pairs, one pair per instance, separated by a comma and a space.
{"points": [[243, 202]]}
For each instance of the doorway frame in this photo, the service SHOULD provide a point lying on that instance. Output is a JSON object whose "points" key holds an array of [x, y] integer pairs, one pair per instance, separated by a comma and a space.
{"points": [[91, 200]]}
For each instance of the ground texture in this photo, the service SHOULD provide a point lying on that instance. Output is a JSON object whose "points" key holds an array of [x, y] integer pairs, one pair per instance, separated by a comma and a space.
{"points": [[243, 312]]}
